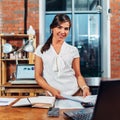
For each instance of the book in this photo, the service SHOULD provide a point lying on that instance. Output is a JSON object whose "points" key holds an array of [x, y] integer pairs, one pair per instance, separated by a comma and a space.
{"points": [[39, 101]]}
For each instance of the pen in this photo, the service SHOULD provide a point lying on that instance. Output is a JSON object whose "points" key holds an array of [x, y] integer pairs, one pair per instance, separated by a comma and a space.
{"points": [[29, 101], [49, 93]]}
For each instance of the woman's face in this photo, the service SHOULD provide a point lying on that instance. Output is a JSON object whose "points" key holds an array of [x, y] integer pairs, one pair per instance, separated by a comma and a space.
{"points": [[61, 32]]}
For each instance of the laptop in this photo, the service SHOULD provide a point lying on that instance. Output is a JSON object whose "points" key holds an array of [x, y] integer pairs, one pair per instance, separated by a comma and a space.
{"points": [[24, 74], [107, 106]]}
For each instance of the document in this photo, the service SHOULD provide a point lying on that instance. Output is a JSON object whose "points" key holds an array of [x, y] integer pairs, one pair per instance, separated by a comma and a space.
{"points": [[89, 98], [74, 102], [68, 104], [39, 101], [6, 101]]}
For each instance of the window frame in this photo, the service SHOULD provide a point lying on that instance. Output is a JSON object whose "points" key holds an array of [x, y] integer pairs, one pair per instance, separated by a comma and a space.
{"points": [[105, 33]]}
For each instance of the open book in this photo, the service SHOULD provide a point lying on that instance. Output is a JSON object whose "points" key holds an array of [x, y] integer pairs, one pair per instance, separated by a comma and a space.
{"points": [[39, 101]]}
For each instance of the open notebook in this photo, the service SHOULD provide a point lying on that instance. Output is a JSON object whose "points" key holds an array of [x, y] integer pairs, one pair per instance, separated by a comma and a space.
{"points": [[24, 74], [107, 106], [37, 101]]}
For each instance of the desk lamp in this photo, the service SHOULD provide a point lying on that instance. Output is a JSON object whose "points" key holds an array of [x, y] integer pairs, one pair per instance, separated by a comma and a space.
{"points": [[7, 48], [27, 47]]}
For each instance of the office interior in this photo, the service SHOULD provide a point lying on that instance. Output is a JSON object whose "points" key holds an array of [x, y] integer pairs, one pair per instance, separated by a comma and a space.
{"points": [[95, 32], [97, 39]]}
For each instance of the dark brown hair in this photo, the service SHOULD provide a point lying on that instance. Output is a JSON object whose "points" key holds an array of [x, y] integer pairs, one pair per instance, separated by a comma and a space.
{"points": [[58, 19]]}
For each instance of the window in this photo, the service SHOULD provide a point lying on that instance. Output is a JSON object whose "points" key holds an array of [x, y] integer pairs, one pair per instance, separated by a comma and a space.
{"points": [[86, 33]]}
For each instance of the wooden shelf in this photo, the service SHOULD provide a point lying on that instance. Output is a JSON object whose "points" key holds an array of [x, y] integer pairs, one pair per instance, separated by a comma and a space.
{"points": [[21, 90], [8, 60]]}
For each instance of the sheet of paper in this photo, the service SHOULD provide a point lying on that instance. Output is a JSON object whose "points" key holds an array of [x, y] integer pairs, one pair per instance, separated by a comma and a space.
{"points": [[21, 102], [42, 99], [68, 104], [6, 101], [90, 98]]}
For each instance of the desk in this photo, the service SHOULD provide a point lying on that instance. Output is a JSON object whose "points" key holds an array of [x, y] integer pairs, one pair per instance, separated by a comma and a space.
{"points": [[27, 113], [31, 90]]}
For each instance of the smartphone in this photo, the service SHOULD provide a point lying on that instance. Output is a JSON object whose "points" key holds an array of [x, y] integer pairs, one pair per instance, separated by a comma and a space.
{"points": [[53, 112], [86, 105]]}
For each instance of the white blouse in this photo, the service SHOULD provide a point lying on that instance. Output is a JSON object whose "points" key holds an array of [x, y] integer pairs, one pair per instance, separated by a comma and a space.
{"points": [[57, 68]]}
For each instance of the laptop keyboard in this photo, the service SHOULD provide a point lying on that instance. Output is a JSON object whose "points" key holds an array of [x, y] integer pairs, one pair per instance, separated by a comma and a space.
{"points": [[84, 114]]}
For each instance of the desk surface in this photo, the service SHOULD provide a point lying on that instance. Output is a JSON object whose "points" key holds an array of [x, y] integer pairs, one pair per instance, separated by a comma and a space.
{"points": [[27, 113]]}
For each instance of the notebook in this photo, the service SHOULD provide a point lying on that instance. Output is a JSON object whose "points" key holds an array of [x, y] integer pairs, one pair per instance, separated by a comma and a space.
{"points": [[107, 106], [24, 74]]}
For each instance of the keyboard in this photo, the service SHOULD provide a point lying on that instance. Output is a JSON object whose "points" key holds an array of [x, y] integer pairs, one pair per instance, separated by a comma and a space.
{"points": [[83, 114]]}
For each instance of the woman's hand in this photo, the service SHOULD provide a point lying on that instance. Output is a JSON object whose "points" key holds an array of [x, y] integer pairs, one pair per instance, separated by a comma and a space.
{"points": [[56, 93], [86, 91]]}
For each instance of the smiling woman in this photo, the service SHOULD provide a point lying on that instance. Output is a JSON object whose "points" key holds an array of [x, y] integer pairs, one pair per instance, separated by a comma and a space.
{"points": [[57, 63]]}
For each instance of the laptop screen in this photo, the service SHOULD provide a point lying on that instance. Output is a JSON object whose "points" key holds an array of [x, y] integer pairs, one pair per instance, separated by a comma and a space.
{"points": [[108, 102], [25, 71]]}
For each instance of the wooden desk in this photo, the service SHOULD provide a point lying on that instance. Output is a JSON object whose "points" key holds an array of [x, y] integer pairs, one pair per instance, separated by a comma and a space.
{"points": [[27, 113], [31, 90]]}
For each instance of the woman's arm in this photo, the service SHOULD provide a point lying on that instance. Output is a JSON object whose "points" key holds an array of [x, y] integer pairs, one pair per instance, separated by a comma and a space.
{"points": [[81, 81]]}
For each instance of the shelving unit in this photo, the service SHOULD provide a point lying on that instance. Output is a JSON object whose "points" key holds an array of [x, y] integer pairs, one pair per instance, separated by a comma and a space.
{"points": [[8, 61]]}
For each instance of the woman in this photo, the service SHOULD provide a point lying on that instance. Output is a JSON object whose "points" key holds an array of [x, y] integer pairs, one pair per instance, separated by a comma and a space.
{"points": [[57, 64]]}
